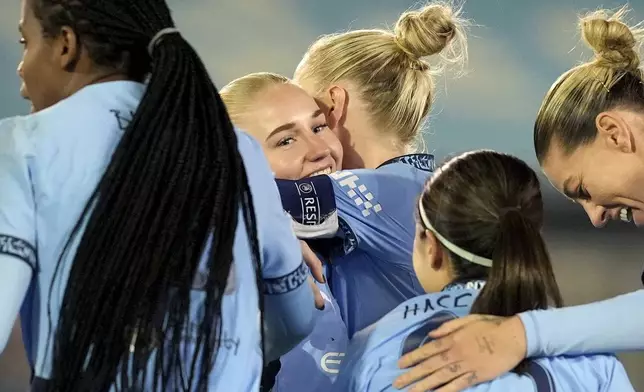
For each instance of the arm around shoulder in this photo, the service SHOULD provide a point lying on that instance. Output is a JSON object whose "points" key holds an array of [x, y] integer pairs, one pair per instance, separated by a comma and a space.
{"points": [[608, 326], [289, 303]]}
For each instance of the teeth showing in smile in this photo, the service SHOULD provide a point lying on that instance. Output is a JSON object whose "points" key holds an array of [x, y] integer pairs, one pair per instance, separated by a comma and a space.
{"points": [[321, 172], [626, 214]]}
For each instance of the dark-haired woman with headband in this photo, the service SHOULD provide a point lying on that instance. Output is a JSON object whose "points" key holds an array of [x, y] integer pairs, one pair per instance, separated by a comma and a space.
{"points": [[478, 248], [589, 140], [130, 235]]}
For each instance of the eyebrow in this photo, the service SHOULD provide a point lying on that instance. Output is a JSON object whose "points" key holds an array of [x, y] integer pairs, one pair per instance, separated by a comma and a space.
{"points": [[290, 125]]}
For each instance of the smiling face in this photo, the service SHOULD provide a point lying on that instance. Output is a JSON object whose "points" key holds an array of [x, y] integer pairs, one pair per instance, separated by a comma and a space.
{"points": [[293, 132], [603, 176]]}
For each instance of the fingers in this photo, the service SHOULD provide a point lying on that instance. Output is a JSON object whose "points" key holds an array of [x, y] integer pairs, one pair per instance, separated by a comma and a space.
{"points": [[426, 369], [314, 263], [422, 353], [317, 295], [454, 325], [440, 377], [464, 381]]}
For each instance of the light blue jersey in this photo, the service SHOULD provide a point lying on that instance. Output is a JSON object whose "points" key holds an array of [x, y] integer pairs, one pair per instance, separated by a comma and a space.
{"points": [[371, 216], [314, 364], [616, 324], [371, 361], [51, 161], [368, 240]]}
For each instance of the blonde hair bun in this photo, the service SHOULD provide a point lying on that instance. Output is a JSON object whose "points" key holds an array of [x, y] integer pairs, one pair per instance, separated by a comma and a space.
{"points": [[427, 31], [615, 44]]}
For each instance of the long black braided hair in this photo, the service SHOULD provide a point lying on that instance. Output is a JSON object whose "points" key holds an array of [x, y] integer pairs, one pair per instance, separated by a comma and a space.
{"points": [[175, 176]]}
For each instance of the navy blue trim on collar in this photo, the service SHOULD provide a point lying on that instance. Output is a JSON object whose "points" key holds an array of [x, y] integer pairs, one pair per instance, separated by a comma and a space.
{"points": [[475, 284], [423, 162]]}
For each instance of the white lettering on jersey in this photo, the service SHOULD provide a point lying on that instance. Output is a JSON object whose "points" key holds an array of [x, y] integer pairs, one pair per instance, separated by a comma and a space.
{"points": [[362, 197]]}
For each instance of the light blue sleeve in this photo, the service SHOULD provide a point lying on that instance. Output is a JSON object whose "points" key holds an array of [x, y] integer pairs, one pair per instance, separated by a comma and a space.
{"points": [[289, 304], [17, 223], [609, 326], [370, 208], [615, 376]]}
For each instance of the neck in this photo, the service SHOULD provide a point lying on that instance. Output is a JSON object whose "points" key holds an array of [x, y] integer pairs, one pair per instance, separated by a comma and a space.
{"points": [[79, 81], [373, 154], [376, 157]]}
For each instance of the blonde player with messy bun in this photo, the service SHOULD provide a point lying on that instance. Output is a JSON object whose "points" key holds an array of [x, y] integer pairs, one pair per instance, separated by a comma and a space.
{"points": [[376, 85], [589, 140], [375, 88]]}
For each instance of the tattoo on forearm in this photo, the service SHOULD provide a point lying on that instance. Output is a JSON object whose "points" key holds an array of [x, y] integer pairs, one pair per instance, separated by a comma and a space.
{"points": [[472, 378]]}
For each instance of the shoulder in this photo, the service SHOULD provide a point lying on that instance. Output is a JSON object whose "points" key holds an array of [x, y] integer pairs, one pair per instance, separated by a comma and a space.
{"points": [[257, 168], [15, 135], [426, 311], [246, 144], [599, 367]]}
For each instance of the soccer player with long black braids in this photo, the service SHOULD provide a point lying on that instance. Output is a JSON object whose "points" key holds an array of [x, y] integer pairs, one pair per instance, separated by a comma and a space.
{"points": [[128, 231]]}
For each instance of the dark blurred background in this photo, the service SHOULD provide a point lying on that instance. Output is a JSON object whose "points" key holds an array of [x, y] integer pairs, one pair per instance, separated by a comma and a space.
{"points": [[517, 50]]}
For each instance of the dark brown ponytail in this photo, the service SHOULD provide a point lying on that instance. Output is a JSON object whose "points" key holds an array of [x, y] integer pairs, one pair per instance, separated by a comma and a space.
{"points": [[521, 277], [490, 205]]}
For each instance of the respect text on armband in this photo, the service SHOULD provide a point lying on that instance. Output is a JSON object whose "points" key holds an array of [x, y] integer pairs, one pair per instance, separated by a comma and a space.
{"points": [[442, 302], [311, 210], [286, 283]]}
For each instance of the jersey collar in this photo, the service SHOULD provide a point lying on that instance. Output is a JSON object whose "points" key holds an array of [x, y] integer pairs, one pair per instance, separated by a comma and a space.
{"points": [[423, 162], [467, 285]]}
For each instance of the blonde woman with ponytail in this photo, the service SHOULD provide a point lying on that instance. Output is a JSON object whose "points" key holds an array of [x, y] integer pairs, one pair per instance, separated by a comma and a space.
{"points": [[589, 140]]}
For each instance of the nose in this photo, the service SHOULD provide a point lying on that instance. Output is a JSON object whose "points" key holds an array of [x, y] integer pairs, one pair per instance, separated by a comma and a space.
{"points": [[318, 148], [598, 215]]}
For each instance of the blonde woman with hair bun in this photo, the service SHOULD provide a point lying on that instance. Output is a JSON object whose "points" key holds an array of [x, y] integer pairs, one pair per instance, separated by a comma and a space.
{"points": [[589, 140], [376, 86]]}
